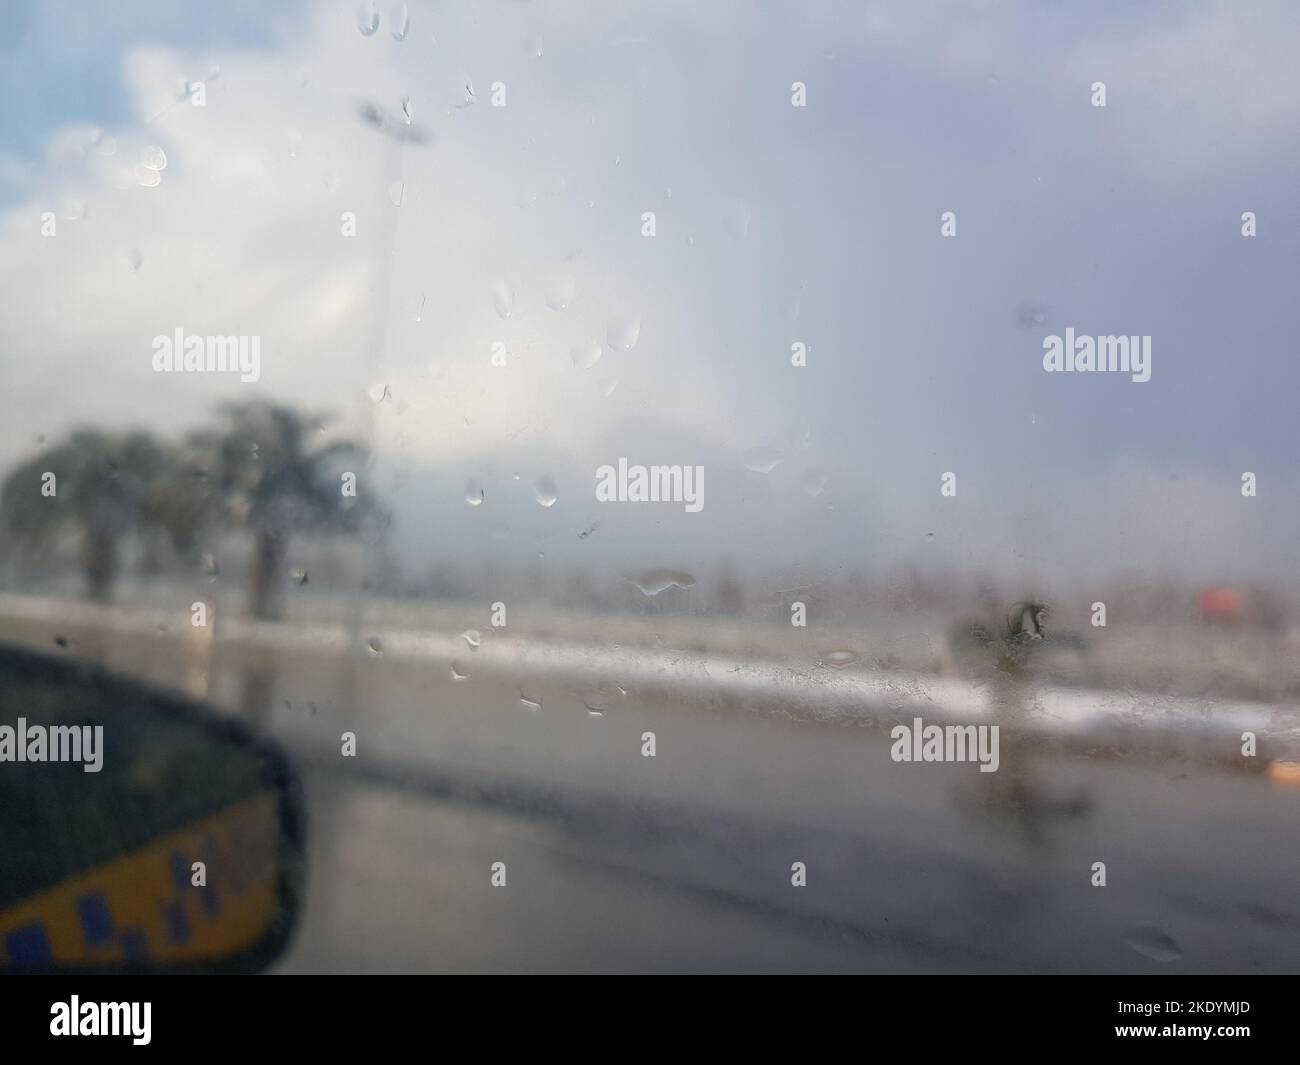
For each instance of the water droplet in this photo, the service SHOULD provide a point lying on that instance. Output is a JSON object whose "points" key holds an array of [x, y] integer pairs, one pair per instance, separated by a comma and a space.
{"points": [[146, 178], [465, 92], [605, 388], [503, 299], [538, 48], [153, 158], [814, 480], [310, 708], [397, 193], [210, 566], [61, 641], [762, 459], [419, 311], [544, 490], [473, 638], [656, 581], [375, 647], [368, 19], [105, 144], [560, 289], [736, 219], [134, 259], [929, 538], [532, 704], [407, 114], [401, 19], [474, 492], [586, 354], [839, 659], [1154, 944], [623, 332], [458, 671], [74, 210], [1031, 315]]}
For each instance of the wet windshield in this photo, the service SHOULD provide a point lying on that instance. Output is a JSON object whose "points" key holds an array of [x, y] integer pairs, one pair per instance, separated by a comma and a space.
{"points": [[691, 488]]}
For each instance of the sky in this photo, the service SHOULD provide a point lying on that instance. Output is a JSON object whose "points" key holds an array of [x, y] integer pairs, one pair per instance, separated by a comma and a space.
{"points": [[774, 224]]}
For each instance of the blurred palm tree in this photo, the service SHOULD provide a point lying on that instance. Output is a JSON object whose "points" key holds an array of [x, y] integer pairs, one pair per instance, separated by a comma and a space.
{"points": [[272, 478], [102, 482]]}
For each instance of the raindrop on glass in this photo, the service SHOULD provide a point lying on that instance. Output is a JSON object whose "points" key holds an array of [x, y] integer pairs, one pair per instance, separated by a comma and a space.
{"points": [[544, 490], [624, 331], [1154, 944], [401, 18], [472, 638], [762, 459], [839, 659], [658, 580], [153, 158], [814, 481], [474, 493], [368, 19], [585, 354], [736, 219], [503, 299], [375, 647], [560, 289]]}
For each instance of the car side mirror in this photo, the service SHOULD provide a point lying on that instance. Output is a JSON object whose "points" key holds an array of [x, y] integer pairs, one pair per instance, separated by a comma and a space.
{"points": [[139, 831]]}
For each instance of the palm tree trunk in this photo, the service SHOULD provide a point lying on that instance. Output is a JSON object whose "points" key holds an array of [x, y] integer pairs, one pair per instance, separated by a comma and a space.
{"points": [[268, 560], [99, 563]]}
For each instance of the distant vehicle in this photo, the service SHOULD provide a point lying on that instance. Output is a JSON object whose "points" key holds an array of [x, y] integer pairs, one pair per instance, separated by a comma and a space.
{"points": [[1227, 605], [1220, 604], [1010, 646]]}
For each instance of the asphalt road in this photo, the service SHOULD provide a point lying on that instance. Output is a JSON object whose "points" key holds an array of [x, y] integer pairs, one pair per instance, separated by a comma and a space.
{"points": [[682, 862]]}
